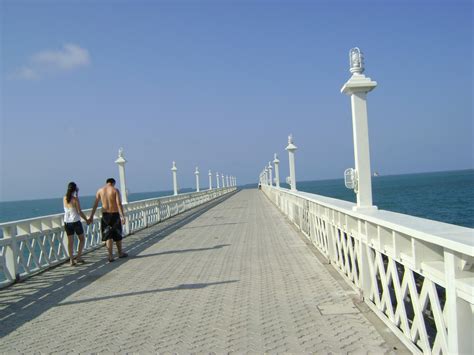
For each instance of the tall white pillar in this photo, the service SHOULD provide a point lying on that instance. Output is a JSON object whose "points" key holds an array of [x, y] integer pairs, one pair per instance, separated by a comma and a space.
{"points": [[266, 175], [197, 178], [223, 180], [276, 162], [227, 180], [357, 88], [174, 169], [217, 180], [123, 186], [270, 172], [210, 180], [291, 148]]}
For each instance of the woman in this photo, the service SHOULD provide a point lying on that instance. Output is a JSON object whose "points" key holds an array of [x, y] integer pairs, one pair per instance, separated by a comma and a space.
{"points": [[72, 221]]}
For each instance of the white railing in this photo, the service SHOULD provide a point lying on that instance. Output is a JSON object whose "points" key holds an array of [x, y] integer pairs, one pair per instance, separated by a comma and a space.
{"points": [[417, 275], [32, 245]]}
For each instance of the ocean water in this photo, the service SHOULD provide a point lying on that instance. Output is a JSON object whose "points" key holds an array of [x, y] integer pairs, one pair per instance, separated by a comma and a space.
{"points": [[443, 196]]}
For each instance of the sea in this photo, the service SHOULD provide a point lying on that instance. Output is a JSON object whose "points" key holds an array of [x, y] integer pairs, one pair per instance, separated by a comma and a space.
{"points": [[442, 196]]}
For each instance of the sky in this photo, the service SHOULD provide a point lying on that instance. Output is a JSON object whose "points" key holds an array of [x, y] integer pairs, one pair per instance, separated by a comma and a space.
{"points": [[221, 84]]}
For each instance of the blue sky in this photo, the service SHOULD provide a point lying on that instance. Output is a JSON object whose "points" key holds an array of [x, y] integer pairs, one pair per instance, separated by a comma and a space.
{"points": [[220, 84]]}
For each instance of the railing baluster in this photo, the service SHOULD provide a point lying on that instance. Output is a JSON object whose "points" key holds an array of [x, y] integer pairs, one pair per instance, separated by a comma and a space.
{"points": [[11, 253]]}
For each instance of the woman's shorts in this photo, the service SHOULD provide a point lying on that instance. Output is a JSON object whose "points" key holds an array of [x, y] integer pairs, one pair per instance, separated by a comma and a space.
{"points": [[74, 227]]}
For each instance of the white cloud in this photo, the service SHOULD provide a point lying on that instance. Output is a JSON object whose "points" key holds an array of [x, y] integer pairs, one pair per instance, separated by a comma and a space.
{"points": [[69, 57], [25, 73]]}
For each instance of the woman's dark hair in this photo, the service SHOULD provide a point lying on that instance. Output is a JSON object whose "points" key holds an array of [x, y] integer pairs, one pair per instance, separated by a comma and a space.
{"points": [[71, 188]]}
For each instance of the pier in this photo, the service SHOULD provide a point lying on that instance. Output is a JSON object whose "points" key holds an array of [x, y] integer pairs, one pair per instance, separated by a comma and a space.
{"points": [[229, 276]]}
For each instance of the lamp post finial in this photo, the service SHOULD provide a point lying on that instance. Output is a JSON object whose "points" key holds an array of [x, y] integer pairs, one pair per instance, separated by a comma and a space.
{"points": [[356, 60]]}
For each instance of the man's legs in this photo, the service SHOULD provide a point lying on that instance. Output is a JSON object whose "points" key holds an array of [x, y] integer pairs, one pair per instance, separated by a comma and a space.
{"points": [[109, 244], [119, 249]]}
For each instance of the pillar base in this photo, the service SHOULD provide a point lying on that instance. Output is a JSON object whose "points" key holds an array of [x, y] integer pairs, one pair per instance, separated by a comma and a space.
{"points": [[364, 208]]}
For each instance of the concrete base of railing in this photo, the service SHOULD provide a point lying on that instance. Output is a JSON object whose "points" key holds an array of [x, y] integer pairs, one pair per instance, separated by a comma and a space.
{"points": [[33, 245]]}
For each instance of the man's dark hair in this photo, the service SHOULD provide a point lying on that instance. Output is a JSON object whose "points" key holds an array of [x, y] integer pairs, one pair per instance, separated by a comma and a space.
{"points": [[110, 181]]}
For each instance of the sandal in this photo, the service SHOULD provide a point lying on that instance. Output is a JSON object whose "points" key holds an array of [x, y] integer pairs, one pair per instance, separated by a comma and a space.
{"points": [[80, 261], [123, 255], [111, 260]]}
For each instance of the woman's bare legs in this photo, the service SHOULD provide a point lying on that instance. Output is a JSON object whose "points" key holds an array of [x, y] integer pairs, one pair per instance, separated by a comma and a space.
{"points": [[81, 247], [70, 249]]}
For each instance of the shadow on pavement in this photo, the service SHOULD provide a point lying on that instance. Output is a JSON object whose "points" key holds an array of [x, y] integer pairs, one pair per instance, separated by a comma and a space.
{"points": [[177, 288], [26, 300], [180, 251]]}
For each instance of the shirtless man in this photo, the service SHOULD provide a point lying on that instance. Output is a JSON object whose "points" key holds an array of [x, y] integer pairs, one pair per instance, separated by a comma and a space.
{"points": [[112, 217]]}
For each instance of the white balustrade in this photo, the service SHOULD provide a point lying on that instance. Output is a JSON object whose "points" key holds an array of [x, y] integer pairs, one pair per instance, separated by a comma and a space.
{"points": [[416, 274], [33, 245]]}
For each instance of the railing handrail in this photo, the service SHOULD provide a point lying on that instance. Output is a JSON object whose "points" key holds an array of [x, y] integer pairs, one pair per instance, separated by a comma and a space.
{"points": [[451, 236], [99, 209]]}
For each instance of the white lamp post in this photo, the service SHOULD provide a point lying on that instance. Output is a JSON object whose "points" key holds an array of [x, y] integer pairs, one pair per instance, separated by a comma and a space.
{"points": [[217, 180], [123, 186], [227, 180], [210, 180], [223, 180], [174, 169], [357, 88], [276, 162], [197, 178], [270, 172], [291, 148]]}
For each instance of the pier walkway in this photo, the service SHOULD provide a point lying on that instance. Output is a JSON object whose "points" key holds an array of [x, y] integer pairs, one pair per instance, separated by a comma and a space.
{"points": [[232, 275]]}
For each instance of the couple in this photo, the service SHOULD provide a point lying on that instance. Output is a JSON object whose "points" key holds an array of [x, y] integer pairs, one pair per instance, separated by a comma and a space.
{"points": [[111, 222]]}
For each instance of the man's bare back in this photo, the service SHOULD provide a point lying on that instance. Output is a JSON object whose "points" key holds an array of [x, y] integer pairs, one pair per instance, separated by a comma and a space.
{"points": [[110, 198]]}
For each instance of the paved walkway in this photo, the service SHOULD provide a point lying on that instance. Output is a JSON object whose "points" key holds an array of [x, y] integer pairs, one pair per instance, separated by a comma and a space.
{"points": [[228, 277]]}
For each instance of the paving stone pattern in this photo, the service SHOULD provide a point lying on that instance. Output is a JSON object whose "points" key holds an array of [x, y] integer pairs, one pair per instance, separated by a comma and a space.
{"points": [[228, 277]]}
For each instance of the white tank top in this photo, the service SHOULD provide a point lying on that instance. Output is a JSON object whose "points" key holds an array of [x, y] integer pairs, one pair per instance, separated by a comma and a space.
{"points": [[71, 215]]}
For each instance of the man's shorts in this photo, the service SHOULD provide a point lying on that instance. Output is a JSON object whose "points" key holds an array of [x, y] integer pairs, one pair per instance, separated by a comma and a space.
{"points": [[74, 227], [111, 226]]}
